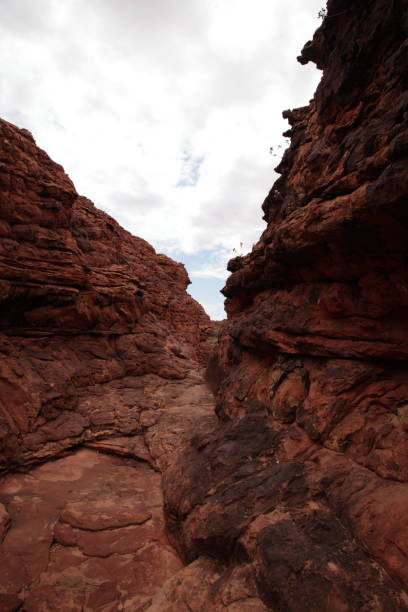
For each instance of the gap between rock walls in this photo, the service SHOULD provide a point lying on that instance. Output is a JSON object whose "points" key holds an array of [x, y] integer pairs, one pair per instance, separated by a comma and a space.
{"points": [[154, 460]]}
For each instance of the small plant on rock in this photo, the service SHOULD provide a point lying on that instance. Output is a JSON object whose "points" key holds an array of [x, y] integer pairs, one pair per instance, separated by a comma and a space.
{"points": [[239, 252]]}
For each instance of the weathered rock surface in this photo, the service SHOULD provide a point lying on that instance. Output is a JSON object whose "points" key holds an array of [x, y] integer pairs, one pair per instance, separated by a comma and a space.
{"points": [[100, 347], [90, 316], [292, 496], [86, 531], [303, 482]]}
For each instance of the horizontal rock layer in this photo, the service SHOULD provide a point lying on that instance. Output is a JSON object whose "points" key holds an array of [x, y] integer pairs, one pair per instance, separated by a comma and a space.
{"points": [[304, 480], [293, 496], [101, 351], [90, 316]]}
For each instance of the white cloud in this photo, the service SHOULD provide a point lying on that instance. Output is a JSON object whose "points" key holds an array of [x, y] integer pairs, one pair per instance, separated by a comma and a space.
{"points": [[214, 309], [208, 272], [161, 111]]}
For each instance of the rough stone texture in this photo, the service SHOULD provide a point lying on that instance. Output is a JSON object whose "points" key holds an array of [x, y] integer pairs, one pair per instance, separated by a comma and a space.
{"points": [[86, 531], [97, 528], [90, 316], [293, 495], [100, 347], [304, 480]]}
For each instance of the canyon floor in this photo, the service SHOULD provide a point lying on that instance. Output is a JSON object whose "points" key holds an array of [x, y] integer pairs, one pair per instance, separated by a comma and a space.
{"points": [[85, 531]]}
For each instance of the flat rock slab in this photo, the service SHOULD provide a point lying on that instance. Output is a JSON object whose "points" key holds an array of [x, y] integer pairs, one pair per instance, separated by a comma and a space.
{"points": [[84, 532]]}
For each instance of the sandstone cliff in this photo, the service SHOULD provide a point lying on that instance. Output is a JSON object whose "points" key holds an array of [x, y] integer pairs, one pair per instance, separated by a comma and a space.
{"points": [[292, 495], [85, 307], [101, 351], [303, 484]]}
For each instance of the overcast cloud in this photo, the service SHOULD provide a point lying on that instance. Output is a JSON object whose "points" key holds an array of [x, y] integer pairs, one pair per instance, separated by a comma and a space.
{"points": [[162, 111]]}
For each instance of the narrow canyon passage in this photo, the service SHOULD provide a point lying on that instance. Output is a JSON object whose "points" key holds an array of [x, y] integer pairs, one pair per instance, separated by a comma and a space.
{"points": [[126, 484]]}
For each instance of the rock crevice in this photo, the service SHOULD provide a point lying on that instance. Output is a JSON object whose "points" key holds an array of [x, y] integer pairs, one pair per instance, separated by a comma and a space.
{"points": [[125, 487], [305, 475]]}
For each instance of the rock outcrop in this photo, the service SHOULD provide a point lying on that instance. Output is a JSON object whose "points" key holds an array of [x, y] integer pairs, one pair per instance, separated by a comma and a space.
{"points": [[303, 485], [101, 371], [292, 494], [90, 316]]}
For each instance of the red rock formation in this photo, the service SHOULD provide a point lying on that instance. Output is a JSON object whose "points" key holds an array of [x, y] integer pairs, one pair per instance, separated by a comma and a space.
{"points": [[303, 483], [102, 347], [87, 313], [294, 495]]}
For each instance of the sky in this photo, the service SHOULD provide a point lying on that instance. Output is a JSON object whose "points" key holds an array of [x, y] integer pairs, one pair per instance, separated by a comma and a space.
{"points": [[163, 112]]}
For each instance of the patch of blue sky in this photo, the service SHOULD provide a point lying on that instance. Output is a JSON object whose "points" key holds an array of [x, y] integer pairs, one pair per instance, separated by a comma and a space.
{"points": [[208, 272], [190, 170], [206, 291]]}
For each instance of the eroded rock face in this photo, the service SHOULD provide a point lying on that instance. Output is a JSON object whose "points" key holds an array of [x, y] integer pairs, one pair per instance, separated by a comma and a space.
{"points": [[91, 318], [101, 372], [86, 531], [304, 480], [293, 494], [95, 537]]}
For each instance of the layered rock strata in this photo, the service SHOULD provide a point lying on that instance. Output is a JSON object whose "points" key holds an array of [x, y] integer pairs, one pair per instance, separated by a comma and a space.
{"points": [[86, 531], [90, 316], [303, 483], [101, 351], [293, 494]]}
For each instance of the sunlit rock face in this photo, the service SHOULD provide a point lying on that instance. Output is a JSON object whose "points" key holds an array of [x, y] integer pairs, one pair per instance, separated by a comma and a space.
{"points": [[88, 313], [302, 486]]}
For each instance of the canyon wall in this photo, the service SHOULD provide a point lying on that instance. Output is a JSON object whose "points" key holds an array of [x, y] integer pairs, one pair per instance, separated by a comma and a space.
{"points": [[302, 487], [90, 316], [292, 495], [101, 386]]}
